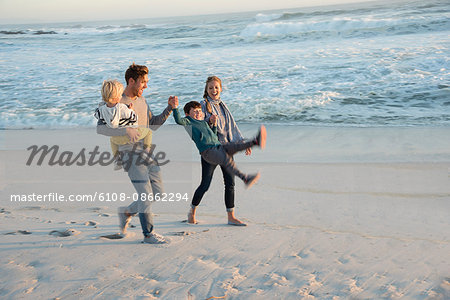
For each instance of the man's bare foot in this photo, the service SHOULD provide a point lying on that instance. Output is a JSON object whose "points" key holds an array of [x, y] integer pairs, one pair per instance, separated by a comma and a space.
{"points": [[124, 219]]}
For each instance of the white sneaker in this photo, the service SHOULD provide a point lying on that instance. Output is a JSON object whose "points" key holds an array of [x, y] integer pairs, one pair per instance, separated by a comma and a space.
{"points": [[124, 219], [154, 238]]}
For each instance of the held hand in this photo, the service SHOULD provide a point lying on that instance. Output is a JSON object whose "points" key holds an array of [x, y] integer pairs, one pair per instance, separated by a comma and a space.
{"points": [[248, 151], [133, 134], [213, 120], [173, 101]]}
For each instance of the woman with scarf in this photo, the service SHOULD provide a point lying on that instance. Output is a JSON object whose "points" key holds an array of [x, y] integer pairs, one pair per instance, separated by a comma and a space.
{"points": [[227, 131]]}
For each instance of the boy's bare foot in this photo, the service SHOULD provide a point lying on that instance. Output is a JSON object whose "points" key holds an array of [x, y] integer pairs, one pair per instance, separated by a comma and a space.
{"points": [[251, 180]]}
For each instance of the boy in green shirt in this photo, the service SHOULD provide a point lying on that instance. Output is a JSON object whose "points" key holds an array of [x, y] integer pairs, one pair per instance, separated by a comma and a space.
{"points": [[208, 144]]}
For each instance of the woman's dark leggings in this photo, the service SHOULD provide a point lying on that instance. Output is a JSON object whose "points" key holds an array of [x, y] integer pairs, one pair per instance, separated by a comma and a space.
{"points": [[207, 175]]}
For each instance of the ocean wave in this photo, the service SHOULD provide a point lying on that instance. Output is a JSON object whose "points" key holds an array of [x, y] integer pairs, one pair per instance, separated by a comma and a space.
{"points": [[412, 7], [137, 30], [267, 17], [134, 26], [39, 32], [116, 27], [51, 120], [293, 108], [105, 27], [347, 25], [99, 30], [76, 30], [262, 17]]}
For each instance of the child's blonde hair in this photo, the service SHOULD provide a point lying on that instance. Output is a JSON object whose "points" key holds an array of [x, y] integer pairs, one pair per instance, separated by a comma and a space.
{"points": [[205, 94], [111, 88]]}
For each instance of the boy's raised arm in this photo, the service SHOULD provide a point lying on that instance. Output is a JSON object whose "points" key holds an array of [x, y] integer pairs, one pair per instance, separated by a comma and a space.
{"points": [[178, 119]]}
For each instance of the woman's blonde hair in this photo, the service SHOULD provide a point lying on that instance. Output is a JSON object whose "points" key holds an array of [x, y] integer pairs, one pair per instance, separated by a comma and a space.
{"points": [[205, 93], [111, 88]]}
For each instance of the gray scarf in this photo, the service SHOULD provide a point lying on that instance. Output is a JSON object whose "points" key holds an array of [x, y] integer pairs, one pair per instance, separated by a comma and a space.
{"points": [[227, 130]]}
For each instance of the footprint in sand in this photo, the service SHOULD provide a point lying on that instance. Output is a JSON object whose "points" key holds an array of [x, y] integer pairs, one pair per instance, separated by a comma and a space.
{"points": [[343, 260], [4, 211], [91, 223], [64, 233], [353, 286], [40, 208], [186, 222], [183, 233], [31, 208], [95, 209], [68, 222], [117, 236], [18, 232], [303, 254]]}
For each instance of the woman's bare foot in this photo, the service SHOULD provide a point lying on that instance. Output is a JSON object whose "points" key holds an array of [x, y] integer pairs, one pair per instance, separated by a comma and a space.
{"points": [[236, 222], [191, 216], [232, 220]]}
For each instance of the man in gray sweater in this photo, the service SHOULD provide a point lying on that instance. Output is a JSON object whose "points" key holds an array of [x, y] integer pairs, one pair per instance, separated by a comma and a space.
{"points": [[146, 178]]}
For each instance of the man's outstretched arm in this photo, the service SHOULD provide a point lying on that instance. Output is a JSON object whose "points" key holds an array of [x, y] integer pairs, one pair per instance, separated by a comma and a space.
{"points": [[132, 133]]}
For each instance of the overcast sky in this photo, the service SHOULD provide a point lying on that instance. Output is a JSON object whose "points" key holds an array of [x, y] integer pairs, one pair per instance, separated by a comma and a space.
{"points": [[43, 11]]}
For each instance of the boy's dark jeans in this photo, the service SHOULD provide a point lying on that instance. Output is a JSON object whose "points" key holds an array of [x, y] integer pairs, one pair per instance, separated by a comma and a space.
{"points": [[207, 175]]}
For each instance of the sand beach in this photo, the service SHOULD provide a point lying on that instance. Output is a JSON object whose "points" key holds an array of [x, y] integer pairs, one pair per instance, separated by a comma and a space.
{"points": [[354, 196], [339, 213]]}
